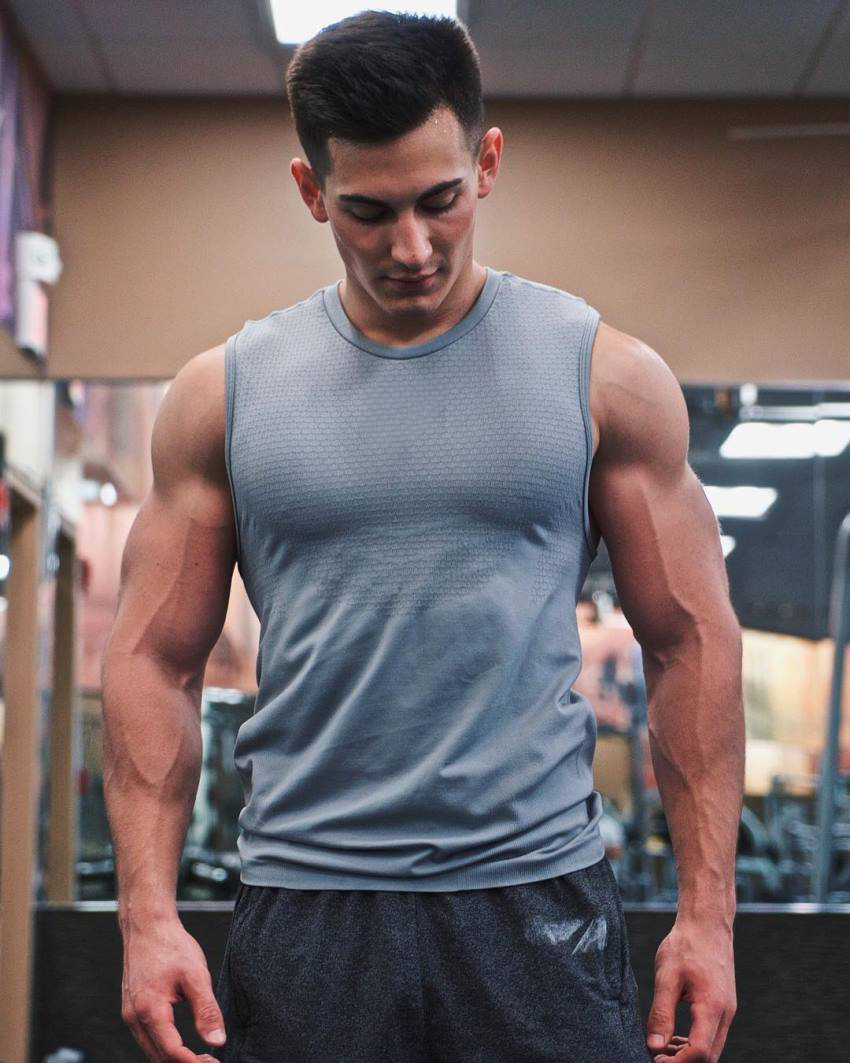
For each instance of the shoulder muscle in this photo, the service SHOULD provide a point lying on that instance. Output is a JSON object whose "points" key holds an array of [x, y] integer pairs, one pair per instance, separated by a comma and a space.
{"points": [[637, 402], [660, 530]]}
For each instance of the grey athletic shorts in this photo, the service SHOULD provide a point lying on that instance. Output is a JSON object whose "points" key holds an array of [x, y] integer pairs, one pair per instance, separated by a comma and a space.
{"points": [[513, 974]]}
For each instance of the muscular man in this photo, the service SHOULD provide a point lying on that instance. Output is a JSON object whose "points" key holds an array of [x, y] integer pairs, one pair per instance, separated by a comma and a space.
{"points": [[412, 469]]}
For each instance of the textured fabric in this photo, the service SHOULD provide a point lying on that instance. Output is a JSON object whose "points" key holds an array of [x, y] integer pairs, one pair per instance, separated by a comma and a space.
{"points": [[514, 974], [413, 533]]}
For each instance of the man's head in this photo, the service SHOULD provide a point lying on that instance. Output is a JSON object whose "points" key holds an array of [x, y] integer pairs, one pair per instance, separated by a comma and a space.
{"points": [[388, 108], [377, 75]]}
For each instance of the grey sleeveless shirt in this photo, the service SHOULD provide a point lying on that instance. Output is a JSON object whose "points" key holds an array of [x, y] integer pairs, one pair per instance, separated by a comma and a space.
{"points": [[413, 533]]}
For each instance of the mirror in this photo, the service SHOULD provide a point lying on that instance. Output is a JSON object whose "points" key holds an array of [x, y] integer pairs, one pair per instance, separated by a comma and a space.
{"points": [[775, 464]]}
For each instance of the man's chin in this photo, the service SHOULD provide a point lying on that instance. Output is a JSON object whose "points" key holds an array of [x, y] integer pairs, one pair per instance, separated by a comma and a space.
{"points": [[402, 303], [410, 307]]}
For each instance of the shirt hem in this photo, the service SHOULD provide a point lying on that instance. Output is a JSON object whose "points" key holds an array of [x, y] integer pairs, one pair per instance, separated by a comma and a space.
{"points": [[284, 876]]}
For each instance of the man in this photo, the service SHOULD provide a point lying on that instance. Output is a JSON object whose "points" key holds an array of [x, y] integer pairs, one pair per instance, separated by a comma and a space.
{"points": [[412, 470]]}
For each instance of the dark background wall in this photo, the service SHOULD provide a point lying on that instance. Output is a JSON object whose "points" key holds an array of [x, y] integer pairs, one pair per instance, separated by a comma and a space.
{"points": [[791, 973]]}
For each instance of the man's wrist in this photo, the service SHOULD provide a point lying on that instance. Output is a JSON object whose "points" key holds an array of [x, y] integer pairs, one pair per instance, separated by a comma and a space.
{"points": [[704, 905], [142, 912]]}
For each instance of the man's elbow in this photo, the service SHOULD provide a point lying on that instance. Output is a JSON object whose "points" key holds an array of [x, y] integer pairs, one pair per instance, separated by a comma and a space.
{"points": [[716, 631]]}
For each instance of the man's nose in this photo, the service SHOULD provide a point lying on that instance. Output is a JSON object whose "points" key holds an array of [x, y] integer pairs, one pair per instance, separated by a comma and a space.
{"points": [[411, 243]]}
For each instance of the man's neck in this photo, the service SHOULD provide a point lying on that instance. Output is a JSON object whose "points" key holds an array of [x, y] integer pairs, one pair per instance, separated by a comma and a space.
{"points": [[404, 333]]}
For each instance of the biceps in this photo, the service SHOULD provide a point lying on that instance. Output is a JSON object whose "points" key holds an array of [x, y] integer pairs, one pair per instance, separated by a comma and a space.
{"points": [[664, 543], [176, 572]]}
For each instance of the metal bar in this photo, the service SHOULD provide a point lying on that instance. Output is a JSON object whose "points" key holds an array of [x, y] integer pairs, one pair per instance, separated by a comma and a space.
{"points": [[839, 624]]}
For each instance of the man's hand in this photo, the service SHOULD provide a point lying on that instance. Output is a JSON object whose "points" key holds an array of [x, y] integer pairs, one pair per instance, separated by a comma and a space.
{"points": [[695, 962], [163, 964]]}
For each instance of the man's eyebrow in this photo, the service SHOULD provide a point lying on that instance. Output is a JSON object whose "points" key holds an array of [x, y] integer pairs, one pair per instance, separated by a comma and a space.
{"points": [[435, 190]]}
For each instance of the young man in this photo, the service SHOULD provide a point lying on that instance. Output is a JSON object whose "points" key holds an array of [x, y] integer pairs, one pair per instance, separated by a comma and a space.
{"points": [[412, 470]]}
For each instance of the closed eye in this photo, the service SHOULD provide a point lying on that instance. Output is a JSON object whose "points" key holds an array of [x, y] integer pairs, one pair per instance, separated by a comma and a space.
{"points": [[429, 210]]}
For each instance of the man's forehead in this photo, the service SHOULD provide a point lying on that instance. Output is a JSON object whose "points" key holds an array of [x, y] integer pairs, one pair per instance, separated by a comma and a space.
{"points": [[391, 180], [408, 165]]}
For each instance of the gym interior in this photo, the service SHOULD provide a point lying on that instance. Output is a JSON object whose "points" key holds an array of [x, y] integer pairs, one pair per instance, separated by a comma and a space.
{"points": [[684, 168]]}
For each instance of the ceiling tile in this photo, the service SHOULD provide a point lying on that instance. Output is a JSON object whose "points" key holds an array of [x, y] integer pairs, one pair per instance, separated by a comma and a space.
{"points": [[730, 47]]}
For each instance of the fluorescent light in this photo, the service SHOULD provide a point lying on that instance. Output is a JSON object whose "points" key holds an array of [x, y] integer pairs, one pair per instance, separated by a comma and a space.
{"points": [[748, 394], [761, 439], [831, 437], [741, 501], [816, 411], [296, 22]]}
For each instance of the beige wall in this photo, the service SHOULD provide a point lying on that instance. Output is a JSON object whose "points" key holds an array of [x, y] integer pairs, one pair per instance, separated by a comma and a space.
{"points": [[177, 221]]}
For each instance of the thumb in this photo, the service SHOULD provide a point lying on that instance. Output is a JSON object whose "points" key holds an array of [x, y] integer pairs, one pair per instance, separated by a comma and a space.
{"points": [[662, 1014], [208, 1018]]}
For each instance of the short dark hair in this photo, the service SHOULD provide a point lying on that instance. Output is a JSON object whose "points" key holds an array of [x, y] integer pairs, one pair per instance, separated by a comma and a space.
{"points": [[377, 75]]}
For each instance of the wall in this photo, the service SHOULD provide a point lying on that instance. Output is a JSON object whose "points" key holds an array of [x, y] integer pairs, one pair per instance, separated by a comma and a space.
{"points": [[178, 220]]}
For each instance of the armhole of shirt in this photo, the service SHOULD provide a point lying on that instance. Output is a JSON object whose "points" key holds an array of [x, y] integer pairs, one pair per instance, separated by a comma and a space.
{"points": [[230, 398], [591, 324]]}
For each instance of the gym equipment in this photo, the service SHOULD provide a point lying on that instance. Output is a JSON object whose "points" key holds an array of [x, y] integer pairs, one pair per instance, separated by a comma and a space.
{"points": [[790, 813], [634, 875], [839, 624]]}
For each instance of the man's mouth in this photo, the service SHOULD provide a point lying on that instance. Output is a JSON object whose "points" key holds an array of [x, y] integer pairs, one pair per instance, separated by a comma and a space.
{"points": [[413, 282]]}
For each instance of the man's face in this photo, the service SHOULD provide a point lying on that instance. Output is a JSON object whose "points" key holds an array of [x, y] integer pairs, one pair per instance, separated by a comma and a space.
{"points": [[404, 209]]}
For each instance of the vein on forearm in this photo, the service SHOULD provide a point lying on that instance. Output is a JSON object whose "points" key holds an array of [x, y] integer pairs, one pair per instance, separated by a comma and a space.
{"points": [[697, 742]]}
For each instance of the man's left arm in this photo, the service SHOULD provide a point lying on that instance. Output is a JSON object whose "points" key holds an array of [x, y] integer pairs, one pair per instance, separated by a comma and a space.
{"points": [[663, 540]]}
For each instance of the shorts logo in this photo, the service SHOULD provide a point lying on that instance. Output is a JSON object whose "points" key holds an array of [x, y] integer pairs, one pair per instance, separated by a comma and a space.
{"points": [[587, 936]]}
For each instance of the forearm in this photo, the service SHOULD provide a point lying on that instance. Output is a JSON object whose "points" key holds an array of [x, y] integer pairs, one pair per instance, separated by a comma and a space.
{"points": [[696, 739], [152, 749]]}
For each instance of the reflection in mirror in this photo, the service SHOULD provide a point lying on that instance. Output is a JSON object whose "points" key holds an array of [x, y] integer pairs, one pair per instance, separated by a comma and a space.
{"points": [[27, 606], [775, 465]]}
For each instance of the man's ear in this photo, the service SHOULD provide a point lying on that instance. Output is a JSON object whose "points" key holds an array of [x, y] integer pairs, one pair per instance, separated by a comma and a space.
{"points": [[309, 189], [489, 156]]}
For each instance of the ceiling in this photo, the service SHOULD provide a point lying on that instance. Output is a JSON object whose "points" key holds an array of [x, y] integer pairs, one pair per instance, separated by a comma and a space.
{"points": [[543, 48]]}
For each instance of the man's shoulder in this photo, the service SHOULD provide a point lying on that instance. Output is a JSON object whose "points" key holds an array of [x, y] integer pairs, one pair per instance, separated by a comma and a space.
{"points": [[618, 355], [200, 386], [192, 415], [636, 400], [528, 287], [620, 359]]}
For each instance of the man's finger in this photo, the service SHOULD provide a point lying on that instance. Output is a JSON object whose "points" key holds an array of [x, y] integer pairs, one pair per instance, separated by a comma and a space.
{"points": [[209, 1021], [659, 1026], [167, 1042], [705, 1018], [145, 1043], [672, 1048], [720, 1036]]}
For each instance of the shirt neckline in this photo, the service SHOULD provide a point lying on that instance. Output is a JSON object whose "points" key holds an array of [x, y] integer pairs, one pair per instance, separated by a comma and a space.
{"points": [[341, 322]]}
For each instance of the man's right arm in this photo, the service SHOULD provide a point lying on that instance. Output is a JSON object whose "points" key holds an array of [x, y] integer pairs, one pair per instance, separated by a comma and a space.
{"points": [[176, 572]]}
